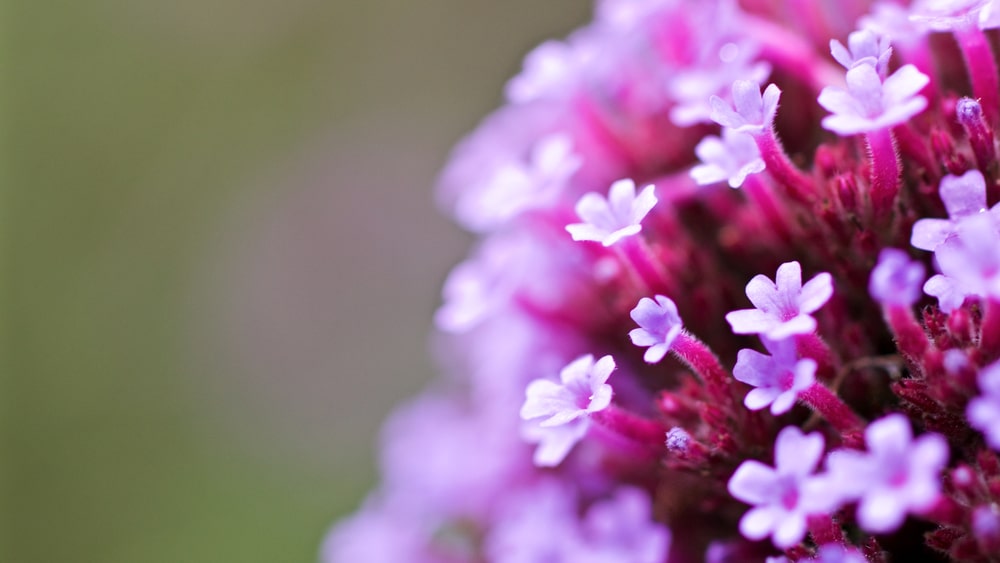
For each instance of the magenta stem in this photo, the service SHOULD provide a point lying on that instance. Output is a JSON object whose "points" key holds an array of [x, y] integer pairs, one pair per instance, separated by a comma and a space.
{"points": [[623, 423], [824, 529], [781, 168], [910, 337], [639, 258], [885, 170], [832, 408], [772, 208], [812, 346], [982, 68], [697, 356], [989, 332]]}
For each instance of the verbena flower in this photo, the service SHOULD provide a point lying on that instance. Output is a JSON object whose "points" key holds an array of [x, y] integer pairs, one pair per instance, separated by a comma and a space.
{"points": [[783, 306], [783, 496], [777, 379], [608, 220], [891, 449], [659, 325], [898, 474]]}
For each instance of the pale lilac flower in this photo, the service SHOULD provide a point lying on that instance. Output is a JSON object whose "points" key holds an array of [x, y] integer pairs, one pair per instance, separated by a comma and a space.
{"points": [[731, 158], [898, 475], [565, 406], [621, 530], [750, 111], [362, 537], [783, 496], [480, 285], [896, 280], [947, 15], [869, 104], [984, 411], [863, 47], [659, 324], [693, 87], [969, 263], [777, 379], [892, 21], [551, 70], [782, 309], [518, 186], [608, 220], [963, 196], [536, 524]]}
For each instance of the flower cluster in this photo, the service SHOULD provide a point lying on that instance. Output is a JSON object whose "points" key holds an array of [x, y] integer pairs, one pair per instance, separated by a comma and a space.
{"points": [[628, 383]]}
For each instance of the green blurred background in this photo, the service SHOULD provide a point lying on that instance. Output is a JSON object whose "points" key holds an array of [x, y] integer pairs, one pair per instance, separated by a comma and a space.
{"points": [[222, 258]]}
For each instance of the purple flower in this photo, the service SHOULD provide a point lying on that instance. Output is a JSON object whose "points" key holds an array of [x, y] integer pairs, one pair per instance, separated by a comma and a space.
{"points": [[783, 496], [621, 530], [896, 280], [608, 220], [750, 112], [551, 70], [783, 308], [659, 324], [565, 406], [692, 88], [731, 158], [963, 196], [984, 410], [947, 15], [518, 186], [537, 524], [864, 47], [896, 476], [778, 378], [869, 104], [969, 263]]}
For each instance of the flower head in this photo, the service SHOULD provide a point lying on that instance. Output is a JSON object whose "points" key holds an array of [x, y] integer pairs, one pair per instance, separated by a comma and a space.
{"points": [[659, 324], [777, 379], [608, 220], [782, 496], [750, 111], [969, 263], [782, 307], [869, 104]]}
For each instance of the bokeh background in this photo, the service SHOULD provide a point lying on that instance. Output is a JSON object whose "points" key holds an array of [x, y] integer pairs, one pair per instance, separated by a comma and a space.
{"points": [[222, 257]]}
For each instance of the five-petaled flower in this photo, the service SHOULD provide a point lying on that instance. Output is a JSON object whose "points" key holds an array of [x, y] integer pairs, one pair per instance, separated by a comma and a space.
{"points": [[963, 196], [869, 104], [898, 474], [565, 406], [751, 111], [783, 496], [777, 379], [608, 220], [659, 325], [782, 307], [730, 158]]}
